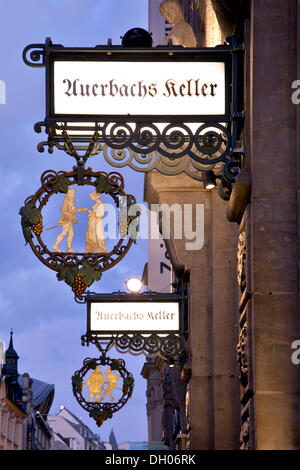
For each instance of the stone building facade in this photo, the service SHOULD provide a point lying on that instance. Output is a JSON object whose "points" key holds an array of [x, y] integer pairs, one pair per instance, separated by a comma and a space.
{"points": [[242, 388], [24, 404], [11, 421]]}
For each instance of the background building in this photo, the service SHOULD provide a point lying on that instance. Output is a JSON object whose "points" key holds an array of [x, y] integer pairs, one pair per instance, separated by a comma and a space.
{"points": [[12, 413], [242, 388], [70, 433], [24, 405]]}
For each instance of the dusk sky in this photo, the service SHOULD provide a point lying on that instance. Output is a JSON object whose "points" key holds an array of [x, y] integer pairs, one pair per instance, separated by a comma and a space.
{"points": [[46, 321]]}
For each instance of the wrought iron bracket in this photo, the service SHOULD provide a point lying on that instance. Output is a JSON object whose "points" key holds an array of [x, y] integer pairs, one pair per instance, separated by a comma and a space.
{"points": [[169, 144], [170, 346]]}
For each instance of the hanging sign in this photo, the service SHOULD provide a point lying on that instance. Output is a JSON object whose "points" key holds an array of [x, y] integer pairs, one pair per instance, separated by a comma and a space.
{"points": [[102, 386], [134, 316], [67, 234], [132, 313], [138, 88], [107, 83], [176, 101]]}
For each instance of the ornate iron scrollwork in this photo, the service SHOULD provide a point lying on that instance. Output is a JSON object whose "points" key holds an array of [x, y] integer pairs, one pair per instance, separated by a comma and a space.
{"points": [[36, 56], [100, 385], [168, 142], [169, 346], [209, 144], [79, 270]]}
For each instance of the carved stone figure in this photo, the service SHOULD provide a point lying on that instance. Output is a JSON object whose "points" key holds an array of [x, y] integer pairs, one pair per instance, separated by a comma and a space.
{"points": [[242, 355], [182, 33], [245, 435], [173, 418], [168, 409], [241, 261]]}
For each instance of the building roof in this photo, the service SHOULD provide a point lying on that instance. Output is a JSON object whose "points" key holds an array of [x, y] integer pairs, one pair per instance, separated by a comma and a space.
{"points": [[78, 426], [113, 441], [76, 422], [42, 392], [11, 352]]}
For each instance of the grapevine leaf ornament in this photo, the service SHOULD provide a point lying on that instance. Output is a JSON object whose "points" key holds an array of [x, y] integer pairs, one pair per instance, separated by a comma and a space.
{"points": [[90, 273], [30, 214], [66, 273], [97, 387], [102, 186], [31, 221], [27, 233], [76, 384], [61, 185], [79, 270]]}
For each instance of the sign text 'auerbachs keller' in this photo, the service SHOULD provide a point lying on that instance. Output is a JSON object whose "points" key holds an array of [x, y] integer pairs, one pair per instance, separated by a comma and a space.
{"points": [[131, 88], [134, 316]]}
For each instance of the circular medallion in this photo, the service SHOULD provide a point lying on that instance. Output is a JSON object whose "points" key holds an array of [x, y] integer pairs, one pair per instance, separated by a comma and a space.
{"points": [[102, 387], [98, 251]]}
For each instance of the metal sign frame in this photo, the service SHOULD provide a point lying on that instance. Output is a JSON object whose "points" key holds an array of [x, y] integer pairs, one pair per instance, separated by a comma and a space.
{"points": [[168, 345], [215, 141], [146, 297], [122, 56], [51, 53]]}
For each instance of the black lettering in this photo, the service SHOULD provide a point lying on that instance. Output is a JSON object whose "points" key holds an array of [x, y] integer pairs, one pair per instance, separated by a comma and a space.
{"points": [[113, 89], [81, 90], [69, 83], [94, 89], [162, 266], [170, 86], [74, 87], [203, 89], [152, 89], [103, 86], [212, 91], [125, 88], [189, 88], [181, 88], [142, 88], [131, 89]]}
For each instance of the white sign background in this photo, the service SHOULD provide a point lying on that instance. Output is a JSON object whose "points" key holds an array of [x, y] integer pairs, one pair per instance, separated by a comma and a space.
{"points": [[70, 76], [134, 316]]}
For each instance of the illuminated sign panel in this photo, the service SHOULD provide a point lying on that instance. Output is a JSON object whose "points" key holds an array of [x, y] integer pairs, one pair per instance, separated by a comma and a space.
{"points": [[142, 316], [145, 88]]}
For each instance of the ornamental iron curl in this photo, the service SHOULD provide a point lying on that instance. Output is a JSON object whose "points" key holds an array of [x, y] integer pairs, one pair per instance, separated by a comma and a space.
{"points": [[168, 346], [69, 265], [36, 58], [169, 143], [209, 144], [101, 387]]}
